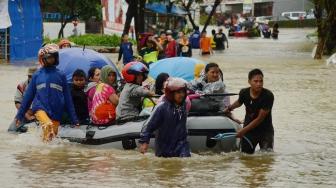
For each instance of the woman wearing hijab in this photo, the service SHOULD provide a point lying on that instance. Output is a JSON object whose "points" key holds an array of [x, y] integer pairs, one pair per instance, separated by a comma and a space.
{"points": [[105, 98]]}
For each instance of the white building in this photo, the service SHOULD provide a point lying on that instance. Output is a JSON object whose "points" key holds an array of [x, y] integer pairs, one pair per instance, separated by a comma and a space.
{"points": [[261, 7]]}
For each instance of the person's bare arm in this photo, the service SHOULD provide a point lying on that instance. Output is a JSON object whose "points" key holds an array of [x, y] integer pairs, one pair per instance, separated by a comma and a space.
{"points": [[158, 45], [114, 99], [256, 122], [233, 106]]}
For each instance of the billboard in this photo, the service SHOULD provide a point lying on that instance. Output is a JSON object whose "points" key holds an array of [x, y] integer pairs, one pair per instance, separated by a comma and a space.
{"points": [[114, 16]]}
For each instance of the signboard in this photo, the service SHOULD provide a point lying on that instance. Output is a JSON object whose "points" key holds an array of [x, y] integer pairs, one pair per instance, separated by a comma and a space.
{"points": [[114, 16]]}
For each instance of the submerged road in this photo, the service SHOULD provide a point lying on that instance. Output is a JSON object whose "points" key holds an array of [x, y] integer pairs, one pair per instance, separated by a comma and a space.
{"points": [[303, 116]]}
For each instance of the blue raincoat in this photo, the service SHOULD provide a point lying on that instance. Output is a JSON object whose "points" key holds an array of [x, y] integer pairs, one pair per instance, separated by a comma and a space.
{"points": [[48, 90], [169, 123], [195, 40]]}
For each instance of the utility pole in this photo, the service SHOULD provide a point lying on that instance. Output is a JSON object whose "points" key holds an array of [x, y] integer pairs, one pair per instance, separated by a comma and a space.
{"points": [[252, 6]]}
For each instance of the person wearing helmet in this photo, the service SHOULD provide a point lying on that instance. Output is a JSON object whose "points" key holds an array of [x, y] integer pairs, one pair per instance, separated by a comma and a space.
{"points": [[64, 43], [130, 101], [49, 95], [169, 122]]}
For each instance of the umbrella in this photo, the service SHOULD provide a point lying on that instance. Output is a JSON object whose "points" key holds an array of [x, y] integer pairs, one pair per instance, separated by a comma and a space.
{"points": [[71, 59], [182, 67]]}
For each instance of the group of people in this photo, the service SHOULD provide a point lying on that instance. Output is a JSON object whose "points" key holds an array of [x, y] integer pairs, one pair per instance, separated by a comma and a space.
{"points": [[206, 44], [96, 97], [156, 47]]}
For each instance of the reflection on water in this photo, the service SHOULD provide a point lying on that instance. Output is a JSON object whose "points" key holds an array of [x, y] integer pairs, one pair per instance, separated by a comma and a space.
{"points": [[303, 117], [258, 169]]}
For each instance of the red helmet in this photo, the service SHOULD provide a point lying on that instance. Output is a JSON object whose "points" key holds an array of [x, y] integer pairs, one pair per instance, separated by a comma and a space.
{"points": [[133, 68], [174, 84]]}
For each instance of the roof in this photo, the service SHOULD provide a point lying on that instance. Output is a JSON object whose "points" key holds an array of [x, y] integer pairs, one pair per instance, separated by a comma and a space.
{"points": [[162, 9]]}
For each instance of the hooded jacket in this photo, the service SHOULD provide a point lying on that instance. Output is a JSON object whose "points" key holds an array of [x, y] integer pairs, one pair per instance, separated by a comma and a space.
{"points": [[48, 91], [169, 123]]}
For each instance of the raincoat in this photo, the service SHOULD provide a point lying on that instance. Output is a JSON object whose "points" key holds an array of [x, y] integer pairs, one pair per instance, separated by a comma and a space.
{"points": [[168, 121], [48, 91]]}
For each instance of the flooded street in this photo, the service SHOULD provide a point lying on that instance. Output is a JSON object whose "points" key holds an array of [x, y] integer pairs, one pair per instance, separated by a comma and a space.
{"points": [[303, 116]]}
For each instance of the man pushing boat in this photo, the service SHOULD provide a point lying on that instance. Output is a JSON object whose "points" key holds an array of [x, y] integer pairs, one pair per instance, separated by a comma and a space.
{"points": [[258, 127]]}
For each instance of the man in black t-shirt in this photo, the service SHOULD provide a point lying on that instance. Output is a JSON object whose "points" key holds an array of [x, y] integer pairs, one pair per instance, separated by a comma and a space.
{"points": [[220, 39], [258, 127]]}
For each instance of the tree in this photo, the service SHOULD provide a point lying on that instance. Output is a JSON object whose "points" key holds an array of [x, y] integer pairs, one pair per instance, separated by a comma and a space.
{"points": [[325, 13], [214, 7], [73, 9], [187, 5], [135, 10]]}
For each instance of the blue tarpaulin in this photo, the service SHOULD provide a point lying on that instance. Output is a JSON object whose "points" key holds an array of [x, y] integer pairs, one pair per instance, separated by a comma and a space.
{"points": [[26, 29], [162, 9]]}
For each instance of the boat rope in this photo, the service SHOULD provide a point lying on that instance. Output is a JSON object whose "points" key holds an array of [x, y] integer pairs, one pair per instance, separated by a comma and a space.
{"points": [[223, 136]]}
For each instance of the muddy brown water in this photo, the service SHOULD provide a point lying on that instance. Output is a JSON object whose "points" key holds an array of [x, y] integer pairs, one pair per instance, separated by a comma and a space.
{"points": [[304, 117]]}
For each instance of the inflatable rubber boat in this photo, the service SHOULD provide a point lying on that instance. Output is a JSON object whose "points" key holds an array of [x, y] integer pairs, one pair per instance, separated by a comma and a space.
{"points": [[201, 130]]}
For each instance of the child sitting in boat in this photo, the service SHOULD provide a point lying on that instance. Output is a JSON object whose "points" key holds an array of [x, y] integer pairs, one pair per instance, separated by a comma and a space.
{"points": [[49, 93], [105, 98], [130, 102], [169, 121], [79, 97]]}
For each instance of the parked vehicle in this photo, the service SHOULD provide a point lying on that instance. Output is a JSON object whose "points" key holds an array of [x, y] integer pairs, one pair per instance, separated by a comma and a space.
{"points": [[297, 15]]}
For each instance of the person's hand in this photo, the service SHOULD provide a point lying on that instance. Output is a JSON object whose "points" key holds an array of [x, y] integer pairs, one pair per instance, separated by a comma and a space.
{"points": [[241, 133], [17, 122], [143, 148], [227, 110], [77, 125], [29, 117], [151, 93], [151, 38]]}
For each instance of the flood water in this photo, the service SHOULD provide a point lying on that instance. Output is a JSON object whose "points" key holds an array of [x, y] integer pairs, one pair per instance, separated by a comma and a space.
{"points": [[303, 115]]}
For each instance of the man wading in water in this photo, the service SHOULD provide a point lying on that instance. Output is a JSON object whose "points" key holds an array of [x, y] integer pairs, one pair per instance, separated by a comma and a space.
{"points": [[258, 127]]}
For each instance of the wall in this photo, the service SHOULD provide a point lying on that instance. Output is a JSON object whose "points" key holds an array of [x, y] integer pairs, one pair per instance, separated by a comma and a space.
{"points": [[281, 6], [51, 29]]}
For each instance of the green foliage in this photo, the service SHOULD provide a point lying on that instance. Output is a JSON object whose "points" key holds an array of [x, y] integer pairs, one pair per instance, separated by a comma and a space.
{"points": [[92, 40], [83, 9], [204, 17], [96, 40], [295, 23]]}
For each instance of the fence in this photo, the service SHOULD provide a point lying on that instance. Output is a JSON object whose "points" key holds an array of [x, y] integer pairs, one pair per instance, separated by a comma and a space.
{"points": [[4, 45]]}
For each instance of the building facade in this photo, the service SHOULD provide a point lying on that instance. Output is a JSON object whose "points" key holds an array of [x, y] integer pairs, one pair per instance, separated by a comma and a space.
{"points": [[257, 8]]}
